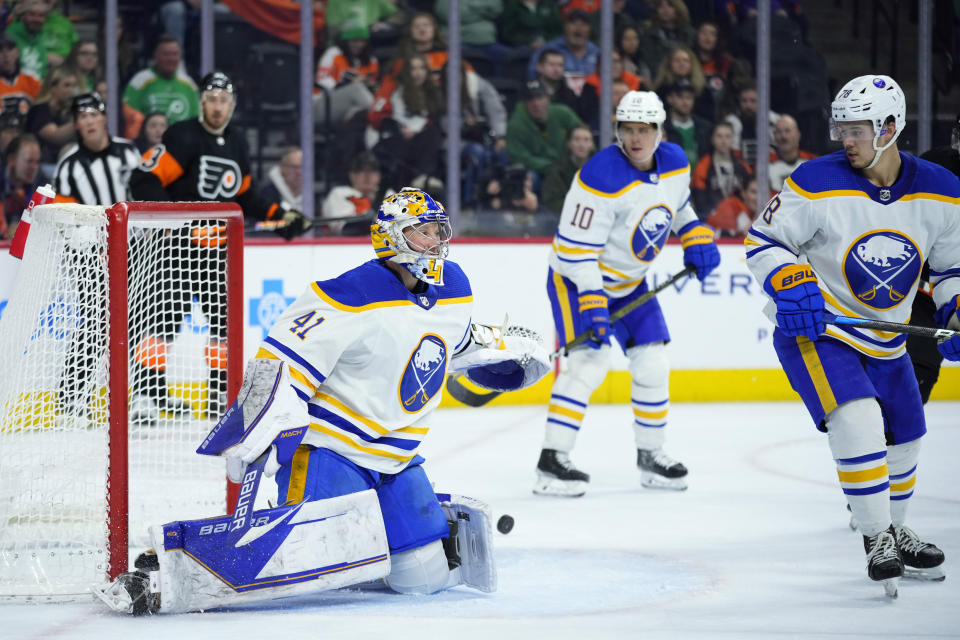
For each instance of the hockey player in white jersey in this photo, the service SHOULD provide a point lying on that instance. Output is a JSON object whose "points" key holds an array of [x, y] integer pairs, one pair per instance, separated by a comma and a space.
{"points": [[848, 235], [336, 404], [616, 217]]}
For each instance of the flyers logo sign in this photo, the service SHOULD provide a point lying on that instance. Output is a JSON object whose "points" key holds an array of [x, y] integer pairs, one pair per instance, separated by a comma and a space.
{"points": [[881, 267], [424, 374], [219, 178], [651, 232]]}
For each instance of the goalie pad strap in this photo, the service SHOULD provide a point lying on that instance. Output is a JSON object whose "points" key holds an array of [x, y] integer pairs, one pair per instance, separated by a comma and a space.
{"points": [[471, 543]]}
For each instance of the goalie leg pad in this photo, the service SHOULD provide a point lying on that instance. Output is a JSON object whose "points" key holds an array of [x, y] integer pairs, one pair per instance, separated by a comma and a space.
{"points": [[471, 545], [307, 547], [422, 570]]}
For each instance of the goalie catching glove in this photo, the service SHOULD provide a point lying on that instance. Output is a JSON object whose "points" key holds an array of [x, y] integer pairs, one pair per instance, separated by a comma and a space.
{"points": [[267, 416], [502, 359]]}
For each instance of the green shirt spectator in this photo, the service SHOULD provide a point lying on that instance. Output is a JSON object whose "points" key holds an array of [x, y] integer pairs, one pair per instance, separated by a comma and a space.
{"points": [[530, 23], [537, 131], [477, 27], [560, 175], [357, 12], [43, 36], [164, 87]]}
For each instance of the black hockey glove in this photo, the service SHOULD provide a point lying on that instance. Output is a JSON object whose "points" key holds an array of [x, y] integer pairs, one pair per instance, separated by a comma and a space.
{"points": [[292, 224]]}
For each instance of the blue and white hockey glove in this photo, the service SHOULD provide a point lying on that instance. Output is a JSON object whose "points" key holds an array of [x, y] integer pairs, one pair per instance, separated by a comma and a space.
{"points": [[794, 289], [595, 317], [699, 249], [948, 317]]}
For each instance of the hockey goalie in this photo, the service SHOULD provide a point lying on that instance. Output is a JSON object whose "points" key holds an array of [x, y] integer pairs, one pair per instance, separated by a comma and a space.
{"points": [[335, 405]]}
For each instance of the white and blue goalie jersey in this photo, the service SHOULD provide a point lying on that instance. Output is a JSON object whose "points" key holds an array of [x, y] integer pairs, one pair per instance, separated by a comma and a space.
{"points": [[370, 359], [616, 219], [866, 244]]}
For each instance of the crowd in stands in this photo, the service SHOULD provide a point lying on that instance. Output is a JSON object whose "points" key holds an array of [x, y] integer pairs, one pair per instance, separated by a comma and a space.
{"points": [[530, 96]]}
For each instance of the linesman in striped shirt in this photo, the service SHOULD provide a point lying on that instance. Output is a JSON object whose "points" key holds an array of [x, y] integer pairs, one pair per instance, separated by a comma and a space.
{"points": [[97, 169]]}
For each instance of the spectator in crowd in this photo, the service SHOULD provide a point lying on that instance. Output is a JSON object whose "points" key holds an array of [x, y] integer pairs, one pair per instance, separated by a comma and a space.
{"points": [[411, 138], [787, 154], [681, 63], [667, 27], [537, 130], [164, 87], [621, 19], [483, 129], [557, 181], [126, 50], [11, 126], [49, 118], [97, 169], [20, 179], [633, 81], [716, 64], [717, 173], [744, 123], [151, 133], [735, 214], [511, 188], [84, 61], [346, 74], [43, 35], [585, 102], [174, 14], [530, 23], [478, 29], [360, 198], [129, 120], [379, 16], [18, 87], [627, 44], [285, 181], [580, 55], [683, 127]]}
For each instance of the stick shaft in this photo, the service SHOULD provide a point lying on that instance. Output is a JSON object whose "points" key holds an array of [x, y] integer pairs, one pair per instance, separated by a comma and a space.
{"points": [[895, 327]]}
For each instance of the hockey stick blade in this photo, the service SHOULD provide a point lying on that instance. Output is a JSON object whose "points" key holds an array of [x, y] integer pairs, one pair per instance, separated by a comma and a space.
{"points": [[895, 327], [462, 394]]}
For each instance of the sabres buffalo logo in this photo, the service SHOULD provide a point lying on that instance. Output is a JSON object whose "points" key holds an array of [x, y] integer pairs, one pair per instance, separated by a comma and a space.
{"points": [[881, 267], [651, 232], [424, 374], [219, 178]]}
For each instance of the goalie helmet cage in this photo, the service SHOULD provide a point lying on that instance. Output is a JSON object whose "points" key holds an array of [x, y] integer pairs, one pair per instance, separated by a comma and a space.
{"points": [[113, 306]]}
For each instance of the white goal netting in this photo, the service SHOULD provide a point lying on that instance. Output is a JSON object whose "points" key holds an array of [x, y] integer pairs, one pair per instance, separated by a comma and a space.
{"points": [[62, 362]]}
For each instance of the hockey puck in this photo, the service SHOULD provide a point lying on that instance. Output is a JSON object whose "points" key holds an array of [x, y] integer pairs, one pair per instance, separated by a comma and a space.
{"points": [[505, 524]]}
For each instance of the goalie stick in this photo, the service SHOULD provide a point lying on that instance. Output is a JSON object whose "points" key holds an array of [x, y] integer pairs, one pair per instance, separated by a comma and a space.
{"points": [[461, 393], [895, 327]]}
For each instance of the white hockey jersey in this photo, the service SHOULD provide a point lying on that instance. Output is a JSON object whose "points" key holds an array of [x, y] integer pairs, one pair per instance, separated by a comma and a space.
{"points": [[370, 359], [616, 219], [866, 244]]}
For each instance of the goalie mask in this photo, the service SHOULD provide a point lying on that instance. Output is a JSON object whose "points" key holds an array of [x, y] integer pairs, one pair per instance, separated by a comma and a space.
{"points": [[645, 107], [870, 98], [413, 230]]}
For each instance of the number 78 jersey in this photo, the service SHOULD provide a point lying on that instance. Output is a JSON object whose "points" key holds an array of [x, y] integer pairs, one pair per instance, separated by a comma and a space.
{"points": [[616, 219], [866, 244]]}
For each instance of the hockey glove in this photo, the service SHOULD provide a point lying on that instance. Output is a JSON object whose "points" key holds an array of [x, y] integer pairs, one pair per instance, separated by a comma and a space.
{"points": [[800, 305], [699, 249], [948, 316], [293, 224], [595, 317], [502, 360]]}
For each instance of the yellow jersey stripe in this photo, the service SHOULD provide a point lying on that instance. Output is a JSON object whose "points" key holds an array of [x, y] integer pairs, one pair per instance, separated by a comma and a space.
{"points": [[825, 194], [930, 196], [419, 430], [886, 335], [607, 195], [563, 249], [379, 305], [863, 476], [263, 354], [675, 172], [622, 285], [298, 475], [609, 269], [876, 353], [359, 447], [563, 298], [353, 414], [808, 350]]}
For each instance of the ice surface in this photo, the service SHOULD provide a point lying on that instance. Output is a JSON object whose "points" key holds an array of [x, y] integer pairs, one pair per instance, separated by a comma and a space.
{"points": [[758, 547]]}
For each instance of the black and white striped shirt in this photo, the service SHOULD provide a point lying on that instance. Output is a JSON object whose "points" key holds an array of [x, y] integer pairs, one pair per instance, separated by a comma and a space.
{"points": [[101, 177]]}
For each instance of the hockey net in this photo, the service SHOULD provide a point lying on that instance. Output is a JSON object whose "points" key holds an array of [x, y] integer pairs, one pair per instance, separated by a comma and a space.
{"points": [[116, 359]]}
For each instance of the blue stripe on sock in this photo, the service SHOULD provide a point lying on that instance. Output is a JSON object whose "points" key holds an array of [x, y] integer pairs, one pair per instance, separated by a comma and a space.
{"points": [[866, 458], [565, 424], [903, 475], [646, 424], [867, 490], [649, 404], [570, 400], [903, 497]]}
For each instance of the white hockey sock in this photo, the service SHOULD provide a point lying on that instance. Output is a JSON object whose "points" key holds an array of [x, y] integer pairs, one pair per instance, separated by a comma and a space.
{"points": [[586, 369], [855, 432], [902, 461], [649, 394]]}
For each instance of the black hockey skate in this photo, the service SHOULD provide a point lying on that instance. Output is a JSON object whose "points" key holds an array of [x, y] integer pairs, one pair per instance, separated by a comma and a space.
{"points": [[883, 560], [660, 471], [130, 592], [556, 476], [921, 560]]}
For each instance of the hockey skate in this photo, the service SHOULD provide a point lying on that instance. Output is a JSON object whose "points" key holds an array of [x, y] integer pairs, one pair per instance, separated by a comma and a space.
{"points": [[556, 476], [660, 471], [921, 560], [134, 592], [883, 560]]}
